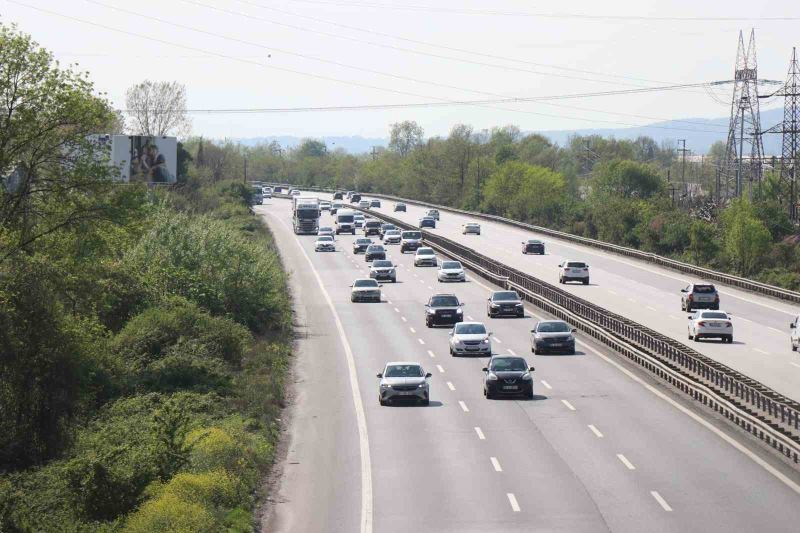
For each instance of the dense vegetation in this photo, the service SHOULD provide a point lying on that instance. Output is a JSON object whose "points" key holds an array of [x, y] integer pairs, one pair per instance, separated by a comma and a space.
{"points": [[614, 190], [144, 333]]}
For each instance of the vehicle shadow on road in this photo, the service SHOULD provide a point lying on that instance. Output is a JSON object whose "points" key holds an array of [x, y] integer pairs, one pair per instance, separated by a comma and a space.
{"points": [[412, 403], [555, 354]]}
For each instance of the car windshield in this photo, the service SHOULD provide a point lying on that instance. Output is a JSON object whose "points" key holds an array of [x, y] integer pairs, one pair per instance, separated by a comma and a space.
{"points": [[359, 216], [387, 227], [403, 371], [433, 212], [704, 289], [337, 204], [323, 229], [375, 248], [382, 264], [345, 218], [534, 241], [505, 296], [325, 238], [472, 225], [444, 301], [363, 241], [427, 219], [470, 329], [392, 232], [717, 314], [425, 251], [552, 327], [576, 264], [373, 224], [365, 283], [509, 364], [412, 235], [401, 205], [451, 265]]}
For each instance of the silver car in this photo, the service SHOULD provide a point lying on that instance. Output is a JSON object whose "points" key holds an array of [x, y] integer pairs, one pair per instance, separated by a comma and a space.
{"points": [[391, 236], [402, 380], [451, 271], [425, 257], [471, 227], [467, 338], [383, 269], [365, 290], [324, 243]]}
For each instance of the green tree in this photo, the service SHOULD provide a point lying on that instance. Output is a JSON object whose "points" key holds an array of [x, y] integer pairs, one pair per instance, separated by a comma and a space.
{"points": [[405, 136], [525, 192], [627, 179], [747, 239]]}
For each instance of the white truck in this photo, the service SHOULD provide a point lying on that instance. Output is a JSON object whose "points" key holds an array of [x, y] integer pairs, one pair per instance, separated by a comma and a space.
{"points": [[305, 214]]}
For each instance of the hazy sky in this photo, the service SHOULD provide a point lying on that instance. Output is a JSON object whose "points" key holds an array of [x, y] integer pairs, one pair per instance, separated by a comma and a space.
{"points": [[316, 53]]}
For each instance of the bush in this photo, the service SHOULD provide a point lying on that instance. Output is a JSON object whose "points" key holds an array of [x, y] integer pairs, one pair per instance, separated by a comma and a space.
{"points": [[170, 514]]}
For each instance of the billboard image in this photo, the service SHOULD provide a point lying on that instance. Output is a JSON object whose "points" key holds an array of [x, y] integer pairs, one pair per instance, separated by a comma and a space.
{"points": [[145, 159]]}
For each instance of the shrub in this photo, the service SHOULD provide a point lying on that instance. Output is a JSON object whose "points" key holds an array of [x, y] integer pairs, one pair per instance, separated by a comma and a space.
{"points": [[170, 514]]}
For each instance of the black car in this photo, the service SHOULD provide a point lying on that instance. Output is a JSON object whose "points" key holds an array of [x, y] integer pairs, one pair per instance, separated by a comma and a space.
{"points": [[443, 309], [360, 245], [553, 336], [504, 303], [372, 227], [338, 195], [507, 376], [410, 240], [375, 203], [355, 198], [427, 222], [533, 246], [374, 251], [400, 207]]}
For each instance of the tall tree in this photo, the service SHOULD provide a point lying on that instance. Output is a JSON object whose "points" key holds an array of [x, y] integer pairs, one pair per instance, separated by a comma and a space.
{"points": [[158, 108], [405, 136]]}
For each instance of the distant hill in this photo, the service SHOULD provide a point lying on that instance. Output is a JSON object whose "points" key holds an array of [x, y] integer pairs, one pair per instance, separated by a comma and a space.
{"points": [[699, 135]]}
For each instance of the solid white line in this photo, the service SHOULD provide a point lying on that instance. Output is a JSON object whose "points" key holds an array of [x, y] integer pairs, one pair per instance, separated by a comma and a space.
{"points": [[422, 281], [546, 384], [496, 464], [775, 329], [450, 386], [625, 461], [463, 406], [431, 353], [569, 405], [481, 436], [742, 318], [361, 419], [412, 330], [440, 369], [513, 501], [596, 431], [421, 341], [511, 351], [403, 319], [697, 418], [498, 341], [661, 501], [759, 350]]}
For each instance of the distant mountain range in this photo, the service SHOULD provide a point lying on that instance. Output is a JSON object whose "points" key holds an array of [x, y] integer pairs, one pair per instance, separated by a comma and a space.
{"points": [[700, 134]]}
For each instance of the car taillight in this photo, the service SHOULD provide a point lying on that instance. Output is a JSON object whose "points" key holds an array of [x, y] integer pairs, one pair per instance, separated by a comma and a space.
{"points": [[566, 269], [701, 324], [586, 270], [690, 297], [728, 324], [716, 297]]}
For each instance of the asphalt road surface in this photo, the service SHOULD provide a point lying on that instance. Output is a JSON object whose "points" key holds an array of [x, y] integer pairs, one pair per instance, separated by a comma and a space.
{"points": [[600, 448]]}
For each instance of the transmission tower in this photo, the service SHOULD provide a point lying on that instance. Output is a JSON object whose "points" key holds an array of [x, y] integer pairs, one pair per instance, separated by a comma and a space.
{"points": [[744, 131]]}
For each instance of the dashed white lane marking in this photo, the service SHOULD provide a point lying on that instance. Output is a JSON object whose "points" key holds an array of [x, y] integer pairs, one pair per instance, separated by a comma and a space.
{"points": [[440, 369], [743, 318], [511, 351], [421, 341], [759, 350], [624, 460], [422, 281], [795, 364], [673, 317], [596, 431], [611, 292], [389, 302], [431, 353], [546, 384], [451, 386], [661, 501], [470, 318], [632, 300], [513, 501], [463, 406], [496, 464], [652, 308], [404, 319], [569, 405], [412, 330], [498, 341], [430, 288], [481, 436], [396, 310]]}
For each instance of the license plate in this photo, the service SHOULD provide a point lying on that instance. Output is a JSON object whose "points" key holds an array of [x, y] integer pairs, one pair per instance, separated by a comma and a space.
{"points": [[406, 393], [715, 324], [472, 348], [557, 344], [443, 315], [509, 387]]}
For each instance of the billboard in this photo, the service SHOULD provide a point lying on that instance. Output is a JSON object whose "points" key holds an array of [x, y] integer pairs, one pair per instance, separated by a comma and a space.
{"points": [[145, 159]]}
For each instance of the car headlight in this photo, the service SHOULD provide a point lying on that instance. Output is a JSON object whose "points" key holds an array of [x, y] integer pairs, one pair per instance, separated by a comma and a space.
{"points": [[571, 338], [494, 306], [422, 385], [486, 341], [459, 311], [431, 312], [527, 376], [519, 305], [385, 386], [492, 377]]}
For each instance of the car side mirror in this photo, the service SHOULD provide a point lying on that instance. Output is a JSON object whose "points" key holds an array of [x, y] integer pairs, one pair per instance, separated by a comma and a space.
{"points": [[490, 333], [683, 290], [533, 331], [450, 333], [561, 265], [791, 326], [574, 330], [428, 375], [484, 369], [531, 369], [691, 316], [379, 375]]}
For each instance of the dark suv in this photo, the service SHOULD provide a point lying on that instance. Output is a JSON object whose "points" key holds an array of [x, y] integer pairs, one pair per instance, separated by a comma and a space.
{"points": [[385, 228], [699, 296], [355, 198], [533, 246], [504, 303], [374, 251], [372, 227], [410, 240], [506, 376], [443, 309]]}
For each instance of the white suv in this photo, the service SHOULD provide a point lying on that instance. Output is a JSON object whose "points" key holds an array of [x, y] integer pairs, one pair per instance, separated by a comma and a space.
{"points": [[425, 257], [451, 271], [573, 271]]}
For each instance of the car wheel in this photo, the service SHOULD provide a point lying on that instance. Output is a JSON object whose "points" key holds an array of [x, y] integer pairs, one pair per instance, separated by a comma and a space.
{"points": [[730, 339], [696, 338], [690, 336], [571, 352], [488, 394], [586, 281], [715, 308], [426, 402], [524, 252], [381, 401], [561, 280], [352, 299], [530, 394], [428, 323], [533, 350], [794, 346]]}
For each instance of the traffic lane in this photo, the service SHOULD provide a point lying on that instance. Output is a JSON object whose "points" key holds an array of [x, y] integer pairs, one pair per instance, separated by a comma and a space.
{"points": [[421, 456], [643, 437], [321, 416], [615, 293]]}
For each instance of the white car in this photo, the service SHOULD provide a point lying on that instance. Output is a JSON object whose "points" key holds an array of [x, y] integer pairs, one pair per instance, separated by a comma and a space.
{"points": [[364, 204], [325, 205], [324, 243], [359, 220], [711, 324], [383, 269], [266, 192], [295, 192], [470, 338], [365, 290], [794, 333], [392, 236], [471, 227], [325, 230], [451, 271], [425, 257], [573, 271]]}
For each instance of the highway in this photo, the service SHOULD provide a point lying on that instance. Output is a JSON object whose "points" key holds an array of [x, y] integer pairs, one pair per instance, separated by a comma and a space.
{"points": [[600, 448], [645, 293]]}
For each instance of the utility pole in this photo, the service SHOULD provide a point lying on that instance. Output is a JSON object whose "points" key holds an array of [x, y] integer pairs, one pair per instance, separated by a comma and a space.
{"points": [[683, 151], [245, 169]]}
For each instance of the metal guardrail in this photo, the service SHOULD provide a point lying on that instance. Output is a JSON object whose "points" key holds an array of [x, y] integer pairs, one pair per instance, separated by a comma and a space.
{"points": [[692, 270], [758, 409]]}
